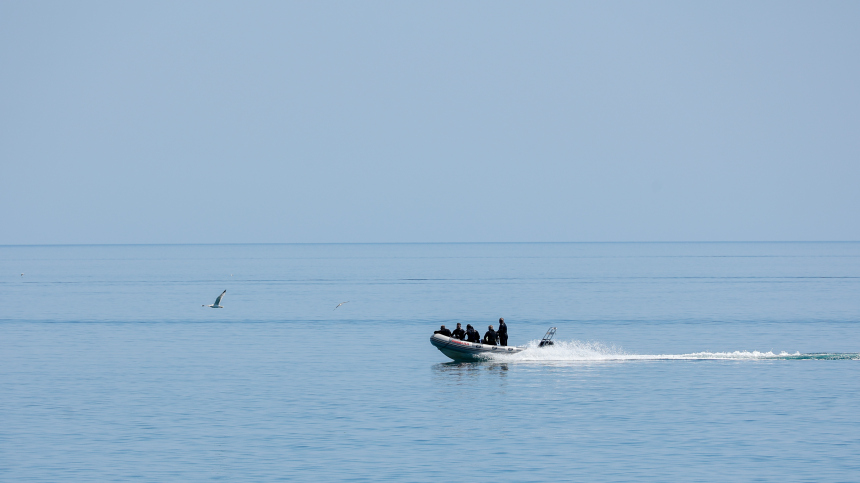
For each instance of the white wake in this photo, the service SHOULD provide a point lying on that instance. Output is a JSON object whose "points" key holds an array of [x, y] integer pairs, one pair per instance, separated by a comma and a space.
{"points": [[595, 351]]}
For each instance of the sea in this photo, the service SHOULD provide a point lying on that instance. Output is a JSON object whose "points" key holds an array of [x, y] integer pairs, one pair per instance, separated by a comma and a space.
{"points": [[674, 362]]}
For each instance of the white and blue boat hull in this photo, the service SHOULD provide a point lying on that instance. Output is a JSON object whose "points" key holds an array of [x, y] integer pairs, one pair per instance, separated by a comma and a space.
{"points": [[463, 351]]}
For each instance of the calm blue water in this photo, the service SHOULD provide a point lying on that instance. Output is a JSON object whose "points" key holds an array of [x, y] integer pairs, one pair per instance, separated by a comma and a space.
{"points": [[679, 362]]}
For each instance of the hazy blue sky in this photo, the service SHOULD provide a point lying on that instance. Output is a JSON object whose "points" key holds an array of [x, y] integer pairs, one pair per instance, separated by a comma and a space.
{"points": [[149, 122]]}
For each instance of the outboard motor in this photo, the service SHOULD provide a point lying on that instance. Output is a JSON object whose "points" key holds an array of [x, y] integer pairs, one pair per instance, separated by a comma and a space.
{"points": [[547, 338]]}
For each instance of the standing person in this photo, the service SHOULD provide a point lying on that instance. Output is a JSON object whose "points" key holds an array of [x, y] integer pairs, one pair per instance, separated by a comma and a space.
{"points": [[472, 335], [503, 332], [491, 338], [458, 333]]}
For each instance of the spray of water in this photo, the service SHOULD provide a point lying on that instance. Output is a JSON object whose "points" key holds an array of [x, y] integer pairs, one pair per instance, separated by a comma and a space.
{"points": [[579, 351]]}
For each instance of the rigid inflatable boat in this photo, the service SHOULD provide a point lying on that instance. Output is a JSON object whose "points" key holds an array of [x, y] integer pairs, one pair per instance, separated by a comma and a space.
{"points": [[460, 350]]}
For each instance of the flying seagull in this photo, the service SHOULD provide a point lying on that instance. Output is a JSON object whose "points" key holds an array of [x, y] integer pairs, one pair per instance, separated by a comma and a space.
{"points": [[338, 305], [217, 304]]}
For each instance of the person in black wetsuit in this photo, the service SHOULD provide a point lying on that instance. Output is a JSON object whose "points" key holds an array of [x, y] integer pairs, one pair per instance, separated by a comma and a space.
{"points": [[503, 332], [472, 335], [459, 333], [490, 338], [443, 331]]}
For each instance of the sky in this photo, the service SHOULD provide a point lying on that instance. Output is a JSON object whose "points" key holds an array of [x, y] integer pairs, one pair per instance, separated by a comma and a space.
{"points": [[442, 121]]}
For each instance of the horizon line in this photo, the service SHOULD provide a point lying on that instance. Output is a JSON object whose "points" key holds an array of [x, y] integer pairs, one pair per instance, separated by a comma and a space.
{"points": [[418, 243]]}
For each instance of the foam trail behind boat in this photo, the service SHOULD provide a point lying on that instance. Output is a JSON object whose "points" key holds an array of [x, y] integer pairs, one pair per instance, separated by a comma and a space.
{"points": [[579, 351]]}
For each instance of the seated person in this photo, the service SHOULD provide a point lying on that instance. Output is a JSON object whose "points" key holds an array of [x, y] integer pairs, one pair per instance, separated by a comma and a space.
{"points": [[490, 338], [443, 331], [459, 333], [472, 335]]}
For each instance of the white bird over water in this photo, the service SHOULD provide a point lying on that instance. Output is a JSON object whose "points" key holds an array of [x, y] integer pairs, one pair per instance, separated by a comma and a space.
{"points": [[338, 305], [217, 304]]}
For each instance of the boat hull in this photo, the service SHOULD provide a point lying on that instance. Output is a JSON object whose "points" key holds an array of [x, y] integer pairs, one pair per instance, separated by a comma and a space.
{"points": [[463, 351]]}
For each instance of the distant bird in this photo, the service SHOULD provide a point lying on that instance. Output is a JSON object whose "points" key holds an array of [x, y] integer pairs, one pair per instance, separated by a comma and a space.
{"points": [[338, 305], [22, 274], [217, 303]]}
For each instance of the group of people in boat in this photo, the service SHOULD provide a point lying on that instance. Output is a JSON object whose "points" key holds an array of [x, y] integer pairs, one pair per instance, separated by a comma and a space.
{"points": [[491, 337]]}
